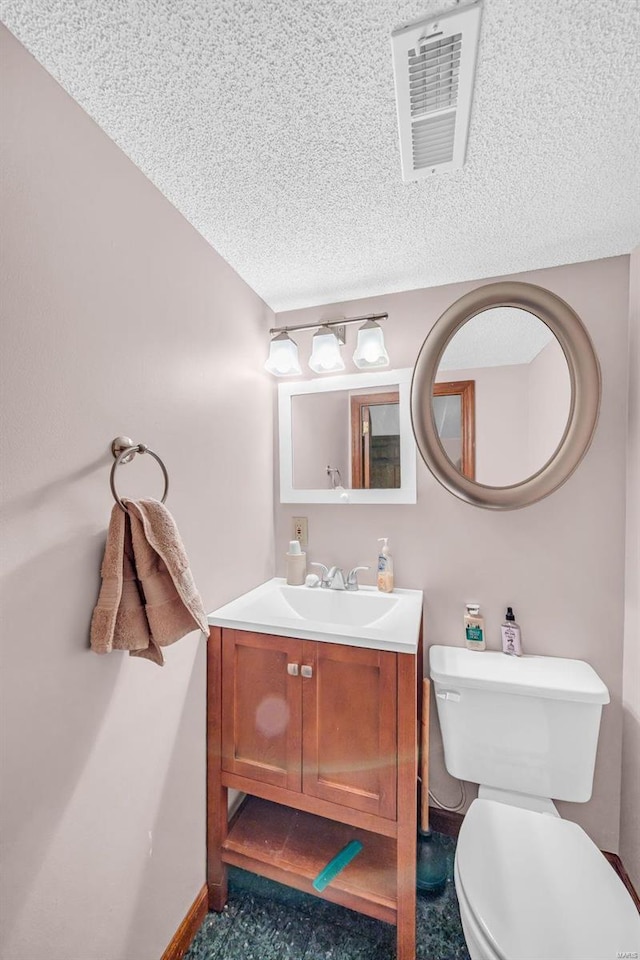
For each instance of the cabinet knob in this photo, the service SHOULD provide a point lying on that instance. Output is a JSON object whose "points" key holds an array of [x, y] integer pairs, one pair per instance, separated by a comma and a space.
{"points": [[293, 669], [306, 671]]}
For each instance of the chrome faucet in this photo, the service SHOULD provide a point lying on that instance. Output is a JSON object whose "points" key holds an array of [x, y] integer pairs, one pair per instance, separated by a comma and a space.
{"points": [[352, 579], [331, 579], [334, 579], [324, 575]]}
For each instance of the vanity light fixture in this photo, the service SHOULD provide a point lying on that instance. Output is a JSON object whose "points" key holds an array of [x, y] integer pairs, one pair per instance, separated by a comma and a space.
{"points": [[283, 357], [325, 354], [370, 350]]}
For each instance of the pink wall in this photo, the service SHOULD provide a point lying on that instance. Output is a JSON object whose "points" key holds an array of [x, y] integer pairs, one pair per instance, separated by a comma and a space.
{"points": [[117, 318], [521, 413], [320, 430], [502, 421], [560, 562], [630, 810], [549, 403]]}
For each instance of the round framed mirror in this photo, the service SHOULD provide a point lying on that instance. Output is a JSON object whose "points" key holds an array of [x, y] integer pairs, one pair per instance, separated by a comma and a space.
{"points": [[505, 395]]}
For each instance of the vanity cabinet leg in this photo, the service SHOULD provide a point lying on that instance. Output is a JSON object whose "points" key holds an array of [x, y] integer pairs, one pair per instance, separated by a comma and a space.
{"points": [[217, 886], [406, 930], [217, 897], [217, 794], [216, 834], [407, 807]]}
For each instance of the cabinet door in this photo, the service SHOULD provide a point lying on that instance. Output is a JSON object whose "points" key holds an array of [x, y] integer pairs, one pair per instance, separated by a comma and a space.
{"points": [[261, 707], [350, 727]]}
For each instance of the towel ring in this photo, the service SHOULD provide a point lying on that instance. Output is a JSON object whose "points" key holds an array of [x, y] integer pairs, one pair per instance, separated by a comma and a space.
{"points": [[124, 450]]}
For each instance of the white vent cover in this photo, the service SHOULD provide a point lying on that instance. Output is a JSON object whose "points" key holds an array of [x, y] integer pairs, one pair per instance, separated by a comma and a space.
{"points": [[434, 64]]}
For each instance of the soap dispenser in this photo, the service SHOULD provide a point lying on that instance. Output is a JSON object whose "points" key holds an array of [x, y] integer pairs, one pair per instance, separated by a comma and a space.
{"points": [[385, 567], [474, 628]]}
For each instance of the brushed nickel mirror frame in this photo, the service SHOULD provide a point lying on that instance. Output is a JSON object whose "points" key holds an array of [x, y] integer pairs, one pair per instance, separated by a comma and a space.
{"points": [[584, 373]]}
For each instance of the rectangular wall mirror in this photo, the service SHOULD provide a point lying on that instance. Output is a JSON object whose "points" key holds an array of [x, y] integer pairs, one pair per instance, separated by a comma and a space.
{"points": [[347, 439]]}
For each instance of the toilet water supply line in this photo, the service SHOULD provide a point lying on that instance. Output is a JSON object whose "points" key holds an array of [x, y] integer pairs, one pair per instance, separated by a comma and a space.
{"points": [[443, 806]]}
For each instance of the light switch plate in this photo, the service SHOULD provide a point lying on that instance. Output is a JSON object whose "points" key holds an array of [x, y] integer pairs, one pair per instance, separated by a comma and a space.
{"points": [[300, 530]]}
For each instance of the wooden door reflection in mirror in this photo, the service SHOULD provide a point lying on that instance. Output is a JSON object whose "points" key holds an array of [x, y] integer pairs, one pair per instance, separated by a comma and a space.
{"points": [[375, 441], [455, 419]]}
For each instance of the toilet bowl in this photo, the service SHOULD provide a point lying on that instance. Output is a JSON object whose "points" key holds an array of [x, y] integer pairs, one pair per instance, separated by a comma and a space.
{"points": [[477, 944], [530, 885], [534, 887]]}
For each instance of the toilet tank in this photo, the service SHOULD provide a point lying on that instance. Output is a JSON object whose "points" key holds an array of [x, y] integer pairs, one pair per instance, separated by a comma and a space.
{"points": [[528, 724]]}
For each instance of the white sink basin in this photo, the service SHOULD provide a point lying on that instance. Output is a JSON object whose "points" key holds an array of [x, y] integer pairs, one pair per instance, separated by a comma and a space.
{"points": [[364, 617], [356, 608]]}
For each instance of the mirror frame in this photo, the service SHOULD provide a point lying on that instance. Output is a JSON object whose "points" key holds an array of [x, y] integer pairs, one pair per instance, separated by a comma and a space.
{"points": [[406, 493], [584, 373]]}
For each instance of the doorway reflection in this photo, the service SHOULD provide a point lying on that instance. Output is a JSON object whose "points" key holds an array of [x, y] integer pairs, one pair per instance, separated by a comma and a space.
{"points": [[455, 419], [375, 441]]}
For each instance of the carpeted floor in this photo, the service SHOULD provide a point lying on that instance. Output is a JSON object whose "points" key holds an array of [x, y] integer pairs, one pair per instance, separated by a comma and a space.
{"points": [[266, 921]]}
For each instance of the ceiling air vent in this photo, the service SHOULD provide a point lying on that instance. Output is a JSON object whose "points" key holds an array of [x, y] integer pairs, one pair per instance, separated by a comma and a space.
{"points": [[434, 64]]}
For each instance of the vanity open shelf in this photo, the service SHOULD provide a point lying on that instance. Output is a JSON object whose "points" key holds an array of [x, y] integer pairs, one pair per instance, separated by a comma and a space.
{"points": [[322, 738], [292, 847]]}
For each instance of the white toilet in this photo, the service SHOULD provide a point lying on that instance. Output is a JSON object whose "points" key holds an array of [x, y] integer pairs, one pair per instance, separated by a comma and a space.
{"points": [[530, 885]]}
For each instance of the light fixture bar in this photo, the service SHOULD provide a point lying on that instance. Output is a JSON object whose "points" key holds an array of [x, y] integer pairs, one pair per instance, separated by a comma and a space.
{"points": [[329, 323]]}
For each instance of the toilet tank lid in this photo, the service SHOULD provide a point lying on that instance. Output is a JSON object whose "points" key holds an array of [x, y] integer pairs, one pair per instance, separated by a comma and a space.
{"points": [[552, 678]]}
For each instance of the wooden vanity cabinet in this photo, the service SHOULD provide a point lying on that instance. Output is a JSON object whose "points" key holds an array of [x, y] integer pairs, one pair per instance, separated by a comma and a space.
{"points": [[261, 708], [322, 737], [317, 718]]}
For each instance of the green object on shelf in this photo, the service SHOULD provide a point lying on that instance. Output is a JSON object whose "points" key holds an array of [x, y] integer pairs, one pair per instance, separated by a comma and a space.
{"points": [[338, 863]]}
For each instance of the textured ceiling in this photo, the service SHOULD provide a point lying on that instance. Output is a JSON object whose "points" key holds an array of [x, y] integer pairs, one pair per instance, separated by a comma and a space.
{"points": [[496, 337], [271, 126]]}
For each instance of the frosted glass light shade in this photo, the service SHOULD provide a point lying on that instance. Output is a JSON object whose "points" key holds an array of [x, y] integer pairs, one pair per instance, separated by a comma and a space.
{"points": [[370, 349], [283, 357], [325, 355]]}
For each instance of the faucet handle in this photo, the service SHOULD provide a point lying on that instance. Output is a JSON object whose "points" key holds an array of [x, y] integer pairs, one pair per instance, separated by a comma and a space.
{"points": [[352, 579], [324, 579]]}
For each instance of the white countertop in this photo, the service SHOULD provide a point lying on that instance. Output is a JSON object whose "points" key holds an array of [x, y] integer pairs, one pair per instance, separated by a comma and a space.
{"points": [[362, 618]]}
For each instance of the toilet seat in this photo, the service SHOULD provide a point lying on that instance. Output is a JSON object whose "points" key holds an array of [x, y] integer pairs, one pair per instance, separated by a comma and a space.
{"points": [[535, 887], [477, 944]]}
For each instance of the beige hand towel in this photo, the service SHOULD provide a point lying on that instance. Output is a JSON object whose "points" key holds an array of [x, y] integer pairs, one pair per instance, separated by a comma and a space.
{"points": [[172, 602], [148, 598], [119, 621]]}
